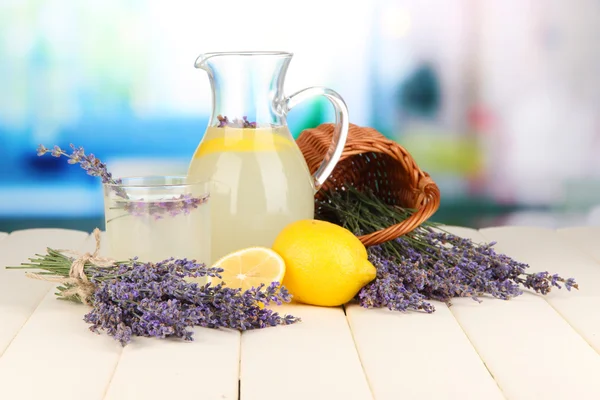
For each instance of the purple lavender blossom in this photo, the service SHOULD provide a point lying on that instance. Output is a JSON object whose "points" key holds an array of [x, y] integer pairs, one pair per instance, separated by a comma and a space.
{"points": [[396, 285], [89, 162], [449, 267], [154, 300], [570, 283], [236, 123], [490, 272], [223, 121], [94, 167], [426, 264], [182, 204]]}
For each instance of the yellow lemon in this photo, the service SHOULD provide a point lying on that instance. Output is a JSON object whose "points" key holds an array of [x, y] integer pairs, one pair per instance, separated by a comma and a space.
{"points": [[249, 268], [326, 265]]}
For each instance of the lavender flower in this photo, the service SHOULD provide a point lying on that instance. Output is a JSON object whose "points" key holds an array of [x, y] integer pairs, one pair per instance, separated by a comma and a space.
{"points": [[157, 299], [154, 300], [485, 270], [426, 264], [223, 121], [94, 167], [396, 285], [236, 123], [89, 163], [450, 266], [182, 204]]}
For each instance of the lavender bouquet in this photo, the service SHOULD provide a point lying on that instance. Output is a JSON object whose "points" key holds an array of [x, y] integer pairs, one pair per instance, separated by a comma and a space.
{"points": [[135, 298], [428, 263]]}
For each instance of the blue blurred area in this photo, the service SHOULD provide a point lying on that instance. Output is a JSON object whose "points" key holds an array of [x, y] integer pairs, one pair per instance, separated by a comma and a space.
{"points": [[125, 136], [22, 171], [472, 97]]}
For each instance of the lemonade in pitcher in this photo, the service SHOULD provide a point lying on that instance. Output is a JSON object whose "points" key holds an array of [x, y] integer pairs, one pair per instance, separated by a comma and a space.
{"points": [[260, 184], [259, 180]]}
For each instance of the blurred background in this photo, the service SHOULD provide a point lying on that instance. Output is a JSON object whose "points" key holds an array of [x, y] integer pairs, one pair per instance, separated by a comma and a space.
{"points": [[496, 99]]}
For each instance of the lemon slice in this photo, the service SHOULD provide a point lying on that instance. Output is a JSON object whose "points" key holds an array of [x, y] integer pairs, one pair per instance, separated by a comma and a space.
{"points": [[249, 268], [250, 140]]}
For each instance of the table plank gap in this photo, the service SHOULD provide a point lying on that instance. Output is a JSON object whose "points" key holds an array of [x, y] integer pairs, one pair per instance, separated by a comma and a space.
{"points": [[525, 342], [111, 375], [549, 250], [362, 364], [206, 368], [20, 296], [428, 355], [315, 358]]}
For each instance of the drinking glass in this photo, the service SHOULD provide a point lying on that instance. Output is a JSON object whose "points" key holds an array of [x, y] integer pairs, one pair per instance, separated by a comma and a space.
{"points": [[157, 217]]}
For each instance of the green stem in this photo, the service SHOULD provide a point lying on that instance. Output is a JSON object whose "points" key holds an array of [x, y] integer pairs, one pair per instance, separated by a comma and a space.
{"points": [[117, 217]]}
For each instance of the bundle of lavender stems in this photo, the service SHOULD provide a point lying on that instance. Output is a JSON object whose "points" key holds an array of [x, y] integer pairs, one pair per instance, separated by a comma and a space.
{"points": [[428, 263], [162, 299]]}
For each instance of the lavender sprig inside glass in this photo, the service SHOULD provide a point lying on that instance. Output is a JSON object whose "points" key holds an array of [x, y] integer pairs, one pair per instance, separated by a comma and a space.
{"points": [[158, 208]]}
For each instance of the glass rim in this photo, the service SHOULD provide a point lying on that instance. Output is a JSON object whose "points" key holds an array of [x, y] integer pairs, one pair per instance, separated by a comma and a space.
{"points": [[249, 53], [152, 181]]}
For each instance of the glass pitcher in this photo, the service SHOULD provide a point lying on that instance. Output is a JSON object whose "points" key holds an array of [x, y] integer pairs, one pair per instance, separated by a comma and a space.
{"points": [[260, 181]]}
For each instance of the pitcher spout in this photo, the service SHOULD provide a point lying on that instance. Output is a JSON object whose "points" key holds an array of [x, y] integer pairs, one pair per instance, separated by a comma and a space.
{"points": [[246, 84], [202, 60]]}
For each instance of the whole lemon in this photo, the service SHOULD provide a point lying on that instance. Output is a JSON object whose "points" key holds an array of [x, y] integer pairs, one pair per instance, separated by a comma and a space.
{"points": [[326, 265]]}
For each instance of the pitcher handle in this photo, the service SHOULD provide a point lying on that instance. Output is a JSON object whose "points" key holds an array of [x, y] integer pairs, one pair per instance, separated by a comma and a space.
{"points": [[340, 133]]}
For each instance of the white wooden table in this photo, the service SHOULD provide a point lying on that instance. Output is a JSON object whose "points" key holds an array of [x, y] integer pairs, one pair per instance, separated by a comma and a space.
{"points": [[532, 347]]}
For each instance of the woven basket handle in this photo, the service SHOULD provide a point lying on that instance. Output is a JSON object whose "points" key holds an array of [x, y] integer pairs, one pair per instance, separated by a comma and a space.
{"points": [[340, 133]]}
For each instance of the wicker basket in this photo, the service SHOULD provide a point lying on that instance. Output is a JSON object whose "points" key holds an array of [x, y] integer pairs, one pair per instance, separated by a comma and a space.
{"points": [[371, 160]]}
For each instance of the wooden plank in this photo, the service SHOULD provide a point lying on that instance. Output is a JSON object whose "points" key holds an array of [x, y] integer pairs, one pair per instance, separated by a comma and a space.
{"points": [[19, 295], [143, 369], [314, 359], [531, 351], [586, 238], [419, 356], [70, 361], [547, 250], [207, 368]]}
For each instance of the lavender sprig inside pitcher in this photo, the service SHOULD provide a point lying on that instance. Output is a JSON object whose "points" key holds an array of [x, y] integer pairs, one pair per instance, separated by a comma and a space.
{"points": [[235, 123], [176, 205]]}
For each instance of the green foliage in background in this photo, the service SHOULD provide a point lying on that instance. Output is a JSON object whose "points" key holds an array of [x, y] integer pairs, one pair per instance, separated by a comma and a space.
{"points": [[444, 153]]}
